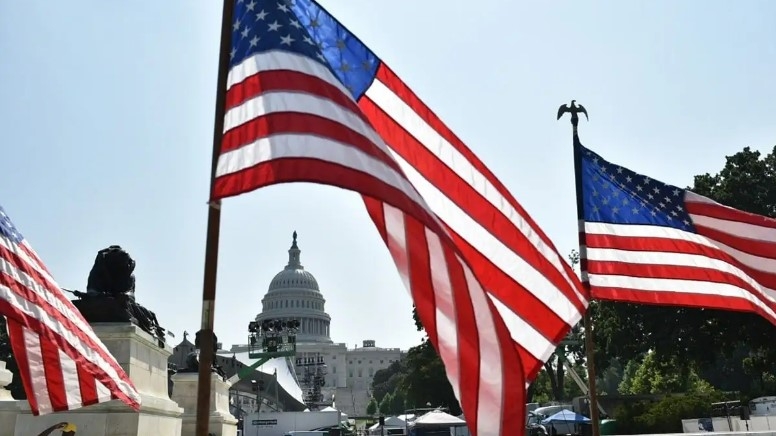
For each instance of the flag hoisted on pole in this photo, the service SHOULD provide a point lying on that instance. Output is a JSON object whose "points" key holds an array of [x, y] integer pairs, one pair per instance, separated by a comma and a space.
{"points": [[574, 109], [62, 363], [655, 243], [206, 334], [306, 101]]}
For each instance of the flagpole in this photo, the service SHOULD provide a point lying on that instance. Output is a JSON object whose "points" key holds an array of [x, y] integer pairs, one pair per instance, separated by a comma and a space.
{"points": [[575, 110], [207, 337]]}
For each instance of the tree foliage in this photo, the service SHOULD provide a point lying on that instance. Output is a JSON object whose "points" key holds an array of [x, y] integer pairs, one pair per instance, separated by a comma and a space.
{"points": [[716, 344], [415, 381], [387, 380], [660, 376], [371, 408], [398, 403], [542, 390], [385, 405]]}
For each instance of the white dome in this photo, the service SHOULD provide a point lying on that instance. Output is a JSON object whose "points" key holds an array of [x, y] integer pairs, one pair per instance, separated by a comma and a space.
{"points": [[294, 294], [293, 279]]}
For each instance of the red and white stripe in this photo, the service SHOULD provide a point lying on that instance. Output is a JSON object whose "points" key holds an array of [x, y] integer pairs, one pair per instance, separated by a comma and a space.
{"points": [[62, 363], [534, 289], [730, 263], [474, 262]]}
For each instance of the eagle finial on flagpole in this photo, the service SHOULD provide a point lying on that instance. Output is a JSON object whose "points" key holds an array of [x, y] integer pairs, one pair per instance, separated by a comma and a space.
{"points": [[574, 109]]}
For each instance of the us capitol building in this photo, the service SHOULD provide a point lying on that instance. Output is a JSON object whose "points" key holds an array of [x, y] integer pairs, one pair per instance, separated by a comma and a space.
{"points": [[345, 374]]}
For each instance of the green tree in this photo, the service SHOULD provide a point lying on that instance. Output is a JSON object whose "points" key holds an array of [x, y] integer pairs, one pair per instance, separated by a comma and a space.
{"points": [[657, 376], [426, 381], [388, 379], [629, 373], [385, 405], [398, 400], [709, 340], [609, 379], [421, 377], [371, 408]]}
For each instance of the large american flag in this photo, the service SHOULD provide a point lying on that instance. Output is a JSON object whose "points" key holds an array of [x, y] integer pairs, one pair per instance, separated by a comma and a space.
{"points": [[308, 101], [650, 242], [62, 363]]}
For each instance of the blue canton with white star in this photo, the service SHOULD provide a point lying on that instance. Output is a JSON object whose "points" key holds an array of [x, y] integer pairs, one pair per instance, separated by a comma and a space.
{"points": [[617, 195], [305, 28], [7, 228]]}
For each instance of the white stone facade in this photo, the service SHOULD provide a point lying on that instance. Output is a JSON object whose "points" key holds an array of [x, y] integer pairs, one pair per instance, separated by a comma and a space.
{"points": [[294, 294], [353, 367]]}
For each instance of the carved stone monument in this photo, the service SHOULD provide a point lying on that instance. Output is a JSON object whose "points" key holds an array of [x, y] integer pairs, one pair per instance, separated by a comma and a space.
{"points": [[132, 334]]}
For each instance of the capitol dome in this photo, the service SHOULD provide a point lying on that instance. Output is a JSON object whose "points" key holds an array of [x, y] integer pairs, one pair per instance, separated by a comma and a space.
{"points": [[293, 276], [294, 294]]}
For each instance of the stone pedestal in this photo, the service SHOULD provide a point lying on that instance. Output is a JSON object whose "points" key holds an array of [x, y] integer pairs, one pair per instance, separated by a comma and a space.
{"points": [[184, 392], [6, 377], [9, 407], [145, 362]]}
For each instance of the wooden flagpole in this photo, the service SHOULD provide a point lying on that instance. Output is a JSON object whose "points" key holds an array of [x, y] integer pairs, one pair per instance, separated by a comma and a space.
{"points": [[575, 110], [207, 337]]}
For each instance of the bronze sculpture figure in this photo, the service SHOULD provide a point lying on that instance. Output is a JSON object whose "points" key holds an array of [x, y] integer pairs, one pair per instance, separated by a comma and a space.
{"points": [[192, 359], [110, 293]]}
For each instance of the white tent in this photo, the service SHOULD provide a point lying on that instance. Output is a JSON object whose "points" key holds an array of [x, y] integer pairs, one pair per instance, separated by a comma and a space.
{"points": [[343, 416], [390, 423], [438, 418]]}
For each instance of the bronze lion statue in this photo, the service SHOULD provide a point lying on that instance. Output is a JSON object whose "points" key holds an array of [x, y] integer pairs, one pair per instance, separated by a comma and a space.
{"points": [[110, 293]]}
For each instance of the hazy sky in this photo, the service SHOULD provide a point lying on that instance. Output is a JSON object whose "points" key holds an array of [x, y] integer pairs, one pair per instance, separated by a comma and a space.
{"points": [[106, 118]]}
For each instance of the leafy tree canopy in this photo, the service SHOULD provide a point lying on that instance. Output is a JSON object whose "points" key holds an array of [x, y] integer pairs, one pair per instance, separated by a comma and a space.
{"points": [[371, 408], [661, 376], [419, 379]]}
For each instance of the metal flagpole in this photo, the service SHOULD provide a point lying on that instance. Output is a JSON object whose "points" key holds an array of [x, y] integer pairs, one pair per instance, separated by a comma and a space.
{"points": [[207, 338], [575, 109]]}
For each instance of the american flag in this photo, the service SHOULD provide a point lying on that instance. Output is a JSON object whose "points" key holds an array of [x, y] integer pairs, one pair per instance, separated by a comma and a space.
{"points": [[650, 242], [308, 101], [62, 363]]}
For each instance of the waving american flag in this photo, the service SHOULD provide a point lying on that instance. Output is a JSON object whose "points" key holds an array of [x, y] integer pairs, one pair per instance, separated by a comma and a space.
{"points": [[62, 363], [307, 101], [651, 242]]}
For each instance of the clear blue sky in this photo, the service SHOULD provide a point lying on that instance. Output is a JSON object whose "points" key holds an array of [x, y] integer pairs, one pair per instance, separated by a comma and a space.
{"points": [[106, 112]]}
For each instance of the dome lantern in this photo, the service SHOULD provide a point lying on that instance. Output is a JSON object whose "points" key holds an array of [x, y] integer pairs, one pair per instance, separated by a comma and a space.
{"points": [[293, 255], [294, 276]]}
